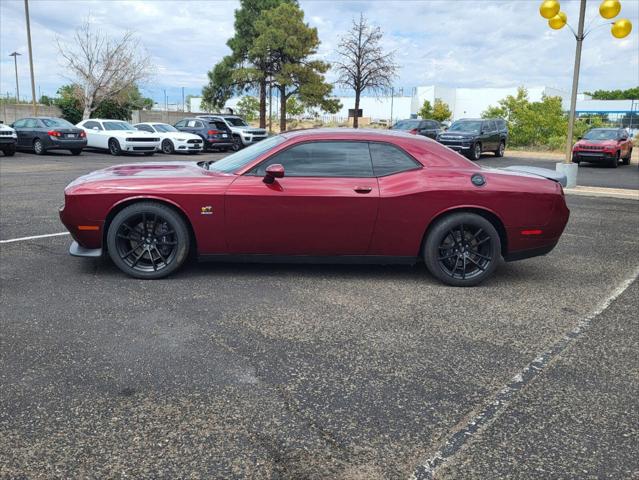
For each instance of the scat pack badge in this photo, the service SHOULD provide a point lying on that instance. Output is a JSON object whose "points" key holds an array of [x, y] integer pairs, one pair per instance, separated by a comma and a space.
{"points": [[207, 210]]}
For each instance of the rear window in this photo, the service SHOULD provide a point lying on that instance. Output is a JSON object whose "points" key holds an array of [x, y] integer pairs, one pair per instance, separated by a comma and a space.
{"points": [[57, 122], [219, 125]]}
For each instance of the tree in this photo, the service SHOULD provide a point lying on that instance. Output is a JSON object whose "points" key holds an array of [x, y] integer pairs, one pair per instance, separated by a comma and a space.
{"points": [[294, 107], [441, 112], [363, 64], [426, 111], [629, 94], [235, 73], [284, 47], [248, 107], [104, 67]]}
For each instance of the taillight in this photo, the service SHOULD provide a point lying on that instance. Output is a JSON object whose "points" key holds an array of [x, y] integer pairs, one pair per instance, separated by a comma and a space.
{"points": [[54, 133], [83, 134], [413, 131], [213, 132]]}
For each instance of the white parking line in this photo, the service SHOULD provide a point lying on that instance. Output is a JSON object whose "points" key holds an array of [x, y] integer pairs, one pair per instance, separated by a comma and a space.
{"points": [[35, 237], [427, 469]]}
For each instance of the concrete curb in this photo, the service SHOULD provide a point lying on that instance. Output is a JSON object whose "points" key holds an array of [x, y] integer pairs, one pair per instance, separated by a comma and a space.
{"points": [[604, 192]]}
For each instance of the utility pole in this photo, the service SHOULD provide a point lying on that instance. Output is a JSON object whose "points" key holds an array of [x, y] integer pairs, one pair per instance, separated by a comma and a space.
{"points": [[183, 106], [15, 64], [33, 97]]}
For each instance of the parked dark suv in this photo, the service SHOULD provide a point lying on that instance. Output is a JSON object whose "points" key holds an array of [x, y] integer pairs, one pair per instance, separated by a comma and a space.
{"points": [[474, 136], [215, 133], [427, 128]]}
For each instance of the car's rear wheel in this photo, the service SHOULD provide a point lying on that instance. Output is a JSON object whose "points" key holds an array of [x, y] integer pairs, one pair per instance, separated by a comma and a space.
{"points": [[114, 147], [148, 240], [501, 149], [168, 147], [462, 249], [38, 147], [475, 152], [614, 161], [626, 159]]}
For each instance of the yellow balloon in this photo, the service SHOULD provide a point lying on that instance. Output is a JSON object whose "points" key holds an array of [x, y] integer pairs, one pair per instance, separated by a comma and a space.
{"points": [[621, 28], [549, 8], [558, 21], [609, 8]]}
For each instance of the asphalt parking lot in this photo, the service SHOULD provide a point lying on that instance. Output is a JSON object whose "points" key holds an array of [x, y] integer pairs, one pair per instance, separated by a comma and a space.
{"points": [[316, 371]]}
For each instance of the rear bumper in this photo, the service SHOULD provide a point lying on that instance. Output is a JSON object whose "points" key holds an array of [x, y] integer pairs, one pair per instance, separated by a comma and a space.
{"points": [[531, 252], [65, 144]]}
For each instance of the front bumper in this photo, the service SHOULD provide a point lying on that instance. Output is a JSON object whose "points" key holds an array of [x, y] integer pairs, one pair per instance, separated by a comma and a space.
{"points": [[76, 250], [592, 156], [128, 146], [250, 139], [186, 146], [456, 145], [8, 140]]}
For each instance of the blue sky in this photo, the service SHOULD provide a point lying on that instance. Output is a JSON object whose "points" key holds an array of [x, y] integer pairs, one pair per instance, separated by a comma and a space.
{"points": [[456, 43]]}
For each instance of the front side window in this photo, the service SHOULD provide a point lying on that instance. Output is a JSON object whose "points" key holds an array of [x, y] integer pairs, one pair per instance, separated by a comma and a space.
{"points": [[20, 123], [144, 128], [245, 156], [181, 123], [323, 159], [388, 159], [117, 126]]}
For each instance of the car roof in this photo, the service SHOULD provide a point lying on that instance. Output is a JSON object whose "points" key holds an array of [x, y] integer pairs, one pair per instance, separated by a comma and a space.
{"points": [[350, 134], [104, 120]]}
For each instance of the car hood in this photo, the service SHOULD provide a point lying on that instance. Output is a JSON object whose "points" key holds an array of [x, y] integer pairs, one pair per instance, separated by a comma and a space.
{"points": [[600, 143], [457, 134], [248, 128], [145, 174]]}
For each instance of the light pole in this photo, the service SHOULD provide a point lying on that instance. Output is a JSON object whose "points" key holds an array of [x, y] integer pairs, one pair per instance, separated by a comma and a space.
{"points": [[33, 97], [608, 9], [15, 64]]}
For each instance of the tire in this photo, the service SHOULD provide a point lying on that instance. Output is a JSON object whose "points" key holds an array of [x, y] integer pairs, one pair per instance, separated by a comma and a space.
{"points": [[500, 151], [614, 162], [114, 147], [164, 249], [475, 153], [626, 160], [467, 263], [9, 150], [575, 159], [76, 151], [38, 147], [237, 144], [168, 147]]}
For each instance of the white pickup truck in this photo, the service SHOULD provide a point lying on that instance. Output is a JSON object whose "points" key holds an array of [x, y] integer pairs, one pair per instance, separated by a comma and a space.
{"points": [[243, 133]]}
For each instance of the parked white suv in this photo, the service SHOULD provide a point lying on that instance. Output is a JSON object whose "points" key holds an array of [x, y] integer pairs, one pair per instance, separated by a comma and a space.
{"points": [[8, 139], [118, 137], [241, 130]]}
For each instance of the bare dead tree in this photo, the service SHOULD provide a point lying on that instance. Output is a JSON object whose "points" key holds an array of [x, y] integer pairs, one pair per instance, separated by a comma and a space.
{"points": [[103, 67], [363, 64]]}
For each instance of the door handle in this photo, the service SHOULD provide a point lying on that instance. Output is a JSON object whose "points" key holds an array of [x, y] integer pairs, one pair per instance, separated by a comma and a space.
{"points": [[363, 189]]}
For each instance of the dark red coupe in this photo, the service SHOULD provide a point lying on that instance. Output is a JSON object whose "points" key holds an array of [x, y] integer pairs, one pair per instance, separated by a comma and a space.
{"points": [[319, 196]]}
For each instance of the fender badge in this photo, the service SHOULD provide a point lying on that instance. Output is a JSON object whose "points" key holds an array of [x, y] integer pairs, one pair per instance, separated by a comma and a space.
{"points": [[478, 180], [208, 210]]}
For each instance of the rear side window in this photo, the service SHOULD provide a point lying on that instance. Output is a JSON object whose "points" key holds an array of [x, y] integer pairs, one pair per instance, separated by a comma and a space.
{"points": [[501, 124], [388, 159], [491, 126], [323, 159], [91, 125], [192, 123], [31, 123]]}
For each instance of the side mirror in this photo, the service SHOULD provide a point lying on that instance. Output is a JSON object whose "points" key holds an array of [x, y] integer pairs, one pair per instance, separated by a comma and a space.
{"points": [[272, 172]]}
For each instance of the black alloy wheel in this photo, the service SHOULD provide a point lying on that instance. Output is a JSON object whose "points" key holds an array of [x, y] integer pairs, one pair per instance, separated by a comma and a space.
{"points": [[168, 147], [475, 153], [500, 151], [462, 249], [38, 147], [148, 240], [114, 147]]}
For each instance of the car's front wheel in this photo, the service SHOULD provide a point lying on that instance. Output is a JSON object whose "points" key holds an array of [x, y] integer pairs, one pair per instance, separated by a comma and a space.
{"points": [[114, 147], [462, 249], [168, 147], [148, 240], [475, 152], [9, 150], [614, 161]]}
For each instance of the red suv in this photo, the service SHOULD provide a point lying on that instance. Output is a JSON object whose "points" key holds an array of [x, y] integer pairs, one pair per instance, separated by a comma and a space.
{"points": [[608, 145]]}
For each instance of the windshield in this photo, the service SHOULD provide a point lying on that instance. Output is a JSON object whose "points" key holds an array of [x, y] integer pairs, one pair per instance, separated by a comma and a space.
{"points": [[465, 127], [236, 122], [163, 127], [117, 126], [406, 125], [244, 157], [57, 122], [601, 135]]}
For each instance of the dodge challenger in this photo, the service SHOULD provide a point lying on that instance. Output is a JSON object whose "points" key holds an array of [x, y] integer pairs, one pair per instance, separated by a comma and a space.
{"points": [[319, 196]]}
